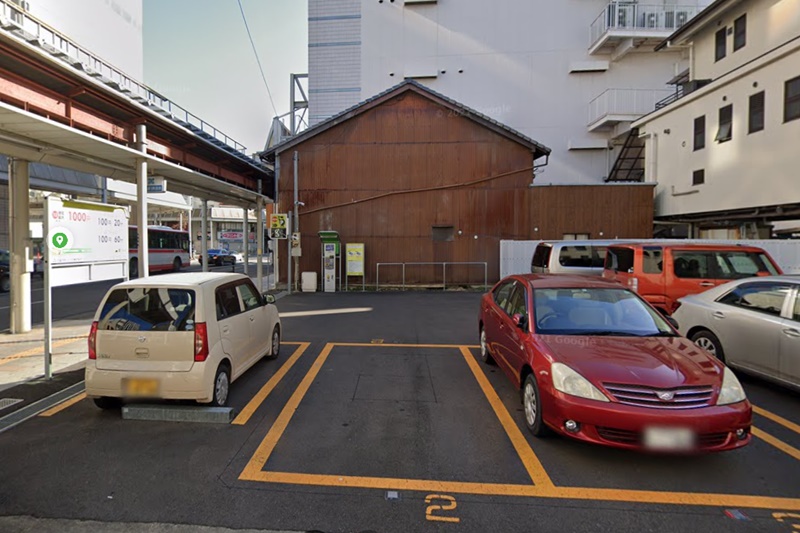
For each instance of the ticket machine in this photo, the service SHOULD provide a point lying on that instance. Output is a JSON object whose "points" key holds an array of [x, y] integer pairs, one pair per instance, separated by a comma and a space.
{"points": [[330, 259]]}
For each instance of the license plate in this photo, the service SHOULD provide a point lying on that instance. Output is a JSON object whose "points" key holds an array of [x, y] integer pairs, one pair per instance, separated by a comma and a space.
{"points": [[141, 387], [669, 439]]}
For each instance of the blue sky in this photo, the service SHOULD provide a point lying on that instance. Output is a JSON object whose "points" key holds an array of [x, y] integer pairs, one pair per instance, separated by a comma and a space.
{"points": [[197, 54]]}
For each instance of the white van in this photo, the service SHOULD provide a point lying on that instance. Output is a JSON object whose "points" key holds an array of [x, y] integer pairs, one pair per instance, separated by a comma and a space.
{"points": [[570, 257], [178, 336]]}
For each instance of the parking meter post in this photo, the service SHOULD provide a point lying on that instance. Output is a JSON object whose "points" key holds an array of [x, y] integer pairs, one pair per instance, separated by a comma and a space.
{"points": [[204, 236], [260, 240], [289, 256]]}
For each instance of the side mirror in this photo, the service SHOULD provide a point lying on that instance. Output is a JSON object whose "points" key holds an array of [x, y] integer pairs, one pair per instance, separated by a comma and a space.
{"points": [[520, 321], [270, 299], [668, 318], [673, 322]]}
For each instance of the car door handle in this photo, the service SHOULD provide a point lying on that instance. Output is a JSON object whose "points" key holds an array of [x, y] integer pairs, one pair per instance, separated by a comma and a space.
{"points": [[718, 314], [225, 329], [792, 332], [707, 284], [252, 318]]}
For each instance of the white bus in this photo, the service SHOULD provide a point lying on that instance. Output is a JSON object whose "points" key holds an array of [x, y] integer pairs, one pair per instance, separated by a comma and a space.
{"points": [[169, 249]]}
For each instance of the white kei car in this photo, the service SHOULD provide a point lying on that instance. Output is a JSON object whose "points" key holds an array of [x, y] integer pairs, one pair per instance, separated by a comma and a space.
{"points": [[179, 336]]}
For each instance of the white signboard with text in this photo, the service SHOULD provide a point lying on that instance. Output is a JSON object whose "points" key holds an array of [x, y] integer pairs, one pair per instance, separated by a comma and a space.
{"points": [[85, 242]]}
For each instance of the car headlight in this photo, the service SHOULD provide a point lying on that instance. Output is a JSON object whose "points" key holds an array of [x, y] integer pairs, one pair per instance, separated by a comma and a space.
{"points": [[731, 391], [570, 382]]}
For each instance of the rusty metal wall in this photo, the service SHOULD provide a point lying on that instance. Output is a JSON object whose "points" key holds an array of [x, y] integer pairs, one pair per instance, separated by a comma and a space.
{"points": [[388, 176]]}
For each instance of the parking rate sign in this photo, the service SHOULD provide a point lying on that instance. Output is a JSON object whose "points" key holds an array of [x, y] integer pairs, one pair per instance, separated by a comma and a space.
{"points": [[85, 233], [278, 225]]}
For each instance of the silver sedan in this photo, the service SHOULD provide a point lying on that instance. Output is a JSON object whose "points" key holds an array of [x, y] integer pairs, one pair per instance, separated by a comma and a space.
{"points": [[750, 324]]}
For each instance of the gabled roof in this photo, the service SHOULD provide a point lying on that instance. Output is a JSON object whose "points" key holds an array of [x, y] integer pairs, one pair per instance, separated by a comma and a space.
{"points": [[539, 150], [697, 22]]}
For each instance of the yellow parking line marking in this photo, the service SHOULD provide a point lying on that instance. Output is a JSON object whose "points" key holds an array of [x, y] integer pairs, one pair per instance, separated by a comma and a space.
{"points": [[268, 387], [782, 446], [370, 345], [39, 350], [256, 464], [675, 498], [532, 464], [422, 485], [63, 405], [543, 488], [775, 418], [533, 491]]}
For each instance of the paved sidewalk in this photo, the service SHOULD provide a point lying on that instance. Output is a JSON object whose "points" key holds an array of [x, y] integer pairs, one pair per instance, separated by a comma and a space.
{"points": [[22, 355]]}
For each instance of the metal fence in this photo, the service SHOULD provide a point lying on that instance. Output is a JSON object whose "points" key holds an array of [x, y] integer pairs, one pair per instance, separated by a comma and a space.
{"points": [[630, 16], [444, 266], [631, 103]]}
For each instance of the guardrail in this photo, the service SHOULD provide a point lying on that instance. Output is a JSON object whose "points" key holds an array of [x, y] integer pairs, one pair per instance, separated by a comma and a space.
{"points": [[20, 23], [629, 16], [444, 265], [632, 103]]}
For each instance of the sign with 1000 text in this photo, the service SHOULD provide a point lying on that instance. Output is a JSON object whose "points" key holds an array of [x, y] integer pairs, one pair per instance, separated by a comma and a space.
{"points": [[85, 233]]}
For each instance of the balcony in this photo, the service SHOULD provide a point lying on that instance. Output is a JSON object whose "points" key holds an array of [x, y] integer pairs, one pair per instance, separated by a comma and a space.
{"points": [[624, 26], [614, 106]]}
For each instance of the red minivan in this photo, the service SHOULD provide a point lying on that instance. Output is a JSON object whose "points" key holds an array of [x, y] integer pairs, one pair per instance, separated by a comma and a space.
{"points": [[662, 273]]}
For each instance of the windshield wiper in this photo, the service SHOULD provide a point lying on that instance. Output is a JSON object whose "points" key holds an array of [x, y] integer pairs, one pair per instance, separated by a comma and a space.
{"points": [[661, 334], [606, 333]]}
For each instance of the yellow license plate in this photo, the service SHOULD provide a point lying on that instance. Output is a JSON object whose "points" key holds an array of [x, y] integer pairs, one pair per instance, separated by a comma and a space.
{"points": [[141, 387]]}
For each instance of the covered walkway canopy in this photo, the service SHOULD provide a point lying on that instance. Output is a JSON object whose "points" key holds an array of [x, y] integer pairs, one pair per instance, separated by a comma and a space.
{"points": [[62, 105]]}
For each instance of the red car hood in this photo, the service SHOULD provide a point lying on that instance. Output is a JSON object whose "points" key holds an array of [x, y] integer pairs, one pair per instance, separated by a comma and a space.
{"points": [[659, 362]]}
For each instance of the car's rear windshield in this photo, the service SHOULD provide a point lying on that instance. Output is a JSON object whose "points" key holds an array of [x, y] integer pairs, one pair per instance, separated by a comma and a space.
{"points": [[582, 256], [595, 311], [149, 309]]}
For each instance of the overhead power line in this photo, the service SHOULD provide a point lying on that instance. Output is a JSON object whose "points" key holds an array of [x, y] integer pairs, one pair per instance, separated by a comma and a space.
{"points": [[258, 60]]}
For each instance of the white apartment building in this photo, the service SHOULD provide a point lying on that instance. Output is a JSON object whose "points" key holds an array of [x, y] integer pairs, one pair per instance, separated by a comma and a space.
{"points": [[571, 74], [725, 153]]}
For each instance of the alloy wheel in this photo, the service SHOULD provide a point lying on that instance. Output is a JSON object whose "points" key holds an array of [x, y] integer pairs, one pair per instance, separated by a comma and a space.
{"points": [[221, 388], [530, 404]]}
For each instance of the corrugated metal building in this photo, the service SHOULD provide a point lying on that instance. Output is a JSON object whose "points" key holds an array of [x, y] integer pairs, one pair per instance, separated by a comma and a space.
{"points": [[418, 177]]}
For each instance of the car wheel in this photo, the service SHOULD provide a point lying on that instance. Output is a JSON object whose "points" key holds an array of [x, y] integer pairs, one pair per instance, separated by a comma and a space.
{"points": [[133, 270], [106, 402], [709, 342], [177, 264], [533, 407], [275, 345], [222, 385], [5, 284], [486, 357]]}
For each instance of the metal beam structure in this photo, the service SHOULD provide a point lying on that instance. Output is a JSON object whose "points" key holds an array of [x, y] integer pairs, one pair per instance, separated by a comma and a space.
{"points": [[63, 106]]}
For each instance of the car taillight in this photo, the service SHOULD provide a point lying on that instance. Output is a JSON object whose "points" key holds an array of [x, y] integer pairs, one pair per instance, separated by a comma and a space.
{"points": [[675, 307], [633, 283], [93, 341], [200, 342]]}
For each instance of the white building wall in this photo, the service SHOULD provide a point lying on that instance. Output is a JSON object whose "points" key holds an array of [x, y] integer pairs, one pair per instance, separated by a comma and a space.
{"points": [[334, 56], [770, 23], [509, 59], [111, 29], [752, 169]]}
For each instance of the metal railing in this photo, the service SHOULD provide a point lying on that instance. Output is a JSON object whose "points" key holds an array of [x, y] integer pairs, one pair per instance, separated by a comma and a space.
{"points": [[444, 271], [629, 16], [18, 22], [632, 103]]}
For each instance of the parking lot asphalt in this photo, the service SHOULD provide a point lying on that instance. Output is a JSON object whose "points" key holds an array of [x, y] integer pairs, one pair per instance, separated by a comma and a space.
{"points": [[379, 416]]}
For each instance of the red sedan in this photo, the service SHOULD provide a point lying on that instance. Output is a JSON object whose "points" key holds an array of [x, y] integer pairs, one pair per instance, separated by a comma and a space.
{"points": [[597, 363]]}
